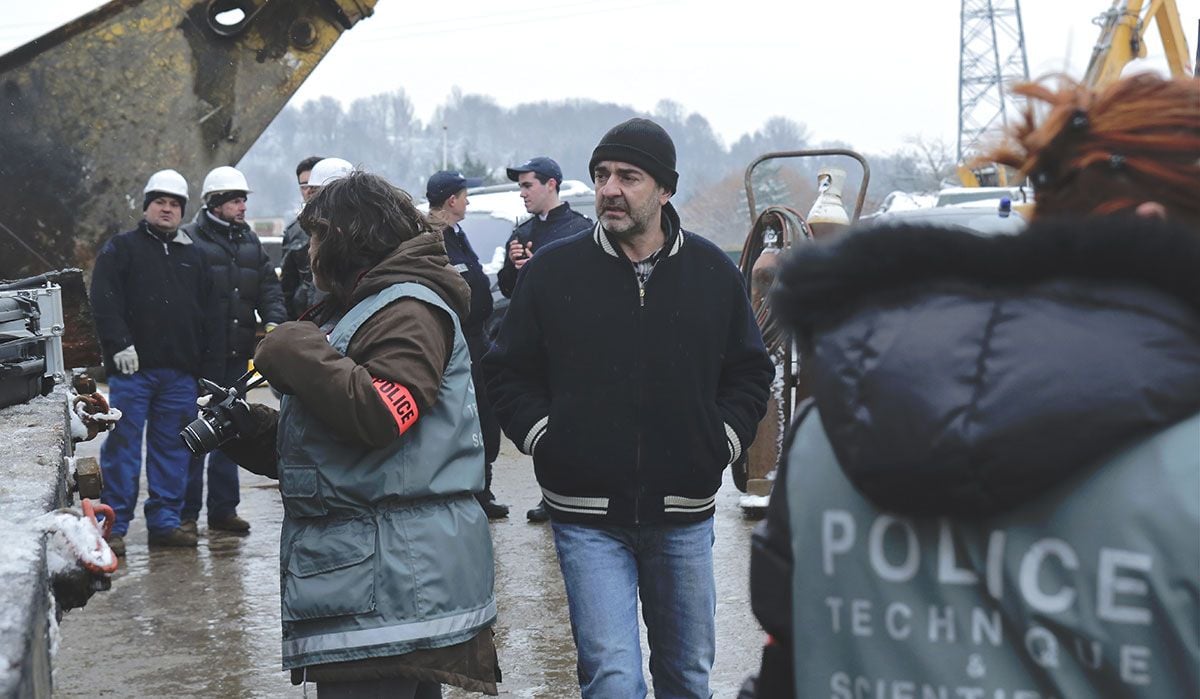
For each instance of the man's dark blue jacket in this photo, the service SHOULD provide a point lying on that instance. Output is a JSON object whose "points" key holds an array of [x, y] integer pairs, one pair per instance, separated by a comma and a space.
{"points": [[631, 398], [464, 261], [156, 296], [561, 222]]}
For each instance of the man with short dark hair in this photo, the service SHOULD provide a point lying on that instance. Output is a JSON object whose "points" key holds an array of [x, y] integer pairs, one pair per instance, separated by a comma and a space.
{"points": [[631, 368], [245, 288], [447, 195], [295, 277], [539, 179], [151, 295]]}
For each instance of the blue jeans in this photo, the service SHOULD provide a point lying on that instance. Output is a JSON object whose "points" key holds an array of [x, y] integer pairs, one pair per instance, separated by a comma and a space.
{"points": [[224, 492], [160, 402], [606, 569]]}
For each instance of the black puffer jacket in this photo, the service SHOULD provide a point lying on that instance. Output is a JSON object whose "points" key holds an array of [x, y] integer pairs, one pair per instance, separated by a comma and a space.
{"points": [[243, 282], [966, 378], [295, 273]]}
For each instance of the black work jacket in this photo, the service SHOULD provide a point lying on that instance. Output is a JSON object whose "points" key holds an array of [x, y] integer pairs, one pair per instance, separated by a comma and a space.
{"points": [[155, 295], [295, 273], [632, 398]]}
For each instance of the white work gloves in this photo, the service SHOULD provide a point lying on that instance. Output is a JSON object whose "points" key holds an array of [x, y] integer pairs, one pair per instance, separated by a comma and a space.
{"points": [[126, 360]]}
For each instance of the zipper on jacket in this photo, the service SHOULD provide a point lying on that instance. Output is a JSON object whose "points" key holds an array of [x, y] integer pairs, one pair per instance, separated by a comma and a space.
{"points": [[637, 460]]}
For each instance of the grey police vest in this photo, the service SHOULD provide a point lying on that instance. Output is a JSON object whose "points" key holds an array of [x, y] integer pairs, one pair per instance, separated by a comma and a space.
{"points": [[1088, 590], [384, 551]]}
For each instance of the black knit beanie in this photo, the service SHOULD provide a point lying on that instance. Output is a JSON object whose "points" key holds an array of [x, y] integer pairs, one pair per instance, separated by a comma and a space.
{"points": [[219, 198], [643, 143], [151, 196]]}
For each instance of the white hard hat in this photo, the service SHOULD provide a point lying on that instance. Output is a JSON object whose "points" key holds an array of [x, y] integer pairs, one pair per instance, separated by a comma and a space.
{"points": [[167, 182], [328, 170], [224, 179]]}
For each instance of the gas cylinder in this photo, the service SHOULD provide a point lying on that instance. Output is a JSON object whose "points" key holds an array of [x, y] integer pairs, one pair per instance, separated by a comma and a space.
{"points": [[828, 213]]}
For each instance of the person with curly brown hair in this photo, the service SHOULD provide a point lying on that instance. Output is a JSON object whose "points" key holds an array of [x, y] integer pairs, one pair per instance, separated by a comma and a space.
{"points": [[385, 555], [995, 490]]}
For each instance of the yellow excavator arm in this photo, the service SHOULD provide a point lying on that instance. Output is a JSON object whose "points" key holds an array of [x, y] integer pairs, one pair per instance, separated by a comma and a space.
{"points": [[1122, 39], [90, 109]]}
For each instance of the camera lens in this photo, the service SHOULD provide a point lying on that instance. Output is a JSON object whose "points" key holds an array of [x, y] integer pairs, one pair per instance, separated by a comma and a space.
{"points": [[200, 437]]}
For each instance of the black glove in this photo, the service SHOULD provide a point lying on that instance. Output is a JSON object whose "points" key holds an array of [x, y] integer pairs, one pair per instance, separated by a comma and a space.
{"points": [[243, 420]]}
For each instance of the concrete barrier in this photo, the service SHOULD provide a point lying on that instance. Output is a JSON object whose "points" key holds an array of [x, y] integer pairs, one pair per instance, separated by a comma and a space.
{"points": [[33, 481]]}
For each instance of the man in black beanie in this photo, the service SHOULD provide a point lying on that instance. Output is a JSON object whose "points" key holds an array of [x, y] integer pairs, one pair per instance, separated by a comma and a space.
{"points": [[631, 368]]}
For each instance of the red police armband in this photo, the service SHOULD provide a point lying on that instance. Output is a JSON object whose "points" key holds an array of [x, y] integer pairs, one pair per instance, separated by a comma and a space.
{"points": [[399, 402]]}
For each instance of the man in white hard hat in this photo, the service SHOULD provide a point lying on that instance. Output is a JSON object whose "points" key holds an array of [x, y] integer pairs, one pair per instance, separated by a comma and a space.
{"points": [[244, 283], [299, 292], [151, 296]]}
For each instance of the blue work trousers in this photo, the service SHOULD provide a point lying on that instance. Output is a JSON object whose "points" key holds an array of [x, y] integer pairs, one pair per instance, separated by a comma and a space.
{"points": [[224, 492], [158, 403], [605, 570]]}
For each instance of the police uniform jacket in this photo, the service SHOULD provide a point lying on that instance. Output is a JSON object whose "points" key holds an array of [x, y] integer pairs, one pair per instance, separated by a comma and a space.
{"points": [[561, 222], [997, 488]]}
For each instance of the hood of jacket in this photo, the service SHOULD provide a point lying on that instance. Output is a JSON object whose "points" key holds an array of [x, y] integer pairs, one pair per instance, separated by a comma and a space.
{"points": [[961, 374], [422, 260]]}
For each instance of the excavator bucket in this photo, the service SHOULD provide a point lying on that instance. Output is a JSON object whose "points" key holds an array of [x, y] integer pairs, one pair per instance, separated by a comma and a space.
{"points": [[90, 109]]}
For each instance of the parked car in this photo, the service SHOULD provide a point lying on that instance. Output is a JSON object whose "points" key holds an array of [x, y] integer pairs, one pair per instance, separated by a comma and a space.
{"points": [[990, 218], [982, 196]]}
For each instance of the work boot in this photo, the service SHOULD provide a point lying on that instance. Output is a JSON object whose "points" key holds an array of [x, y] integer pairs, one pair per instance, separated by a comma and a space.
{"points": [[493, 509], [232, 523], [189, 526], [538, 514], [173, 537], [116, 542]]}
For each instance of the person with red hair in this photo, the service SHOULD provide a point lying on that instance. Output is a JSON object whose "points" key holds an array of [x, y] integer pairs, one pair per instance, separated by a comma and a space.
{"points": [[995, 490]]}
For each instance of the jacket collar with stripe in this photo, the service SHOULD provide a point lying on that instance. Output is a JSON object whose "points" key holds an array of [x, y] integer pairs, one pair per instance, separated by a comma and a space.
{"points": [[670, 225]]}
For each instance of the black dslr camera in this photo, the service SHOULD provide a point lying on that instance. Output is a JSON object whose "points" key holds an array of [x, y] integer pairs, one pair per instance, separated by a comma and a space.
{"points": [[218, 420]]}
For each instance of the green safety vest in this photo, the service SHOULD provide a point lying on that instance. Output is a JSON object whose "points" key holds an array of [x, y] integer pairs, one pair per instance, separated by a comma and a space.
{"points": [[1090, 589], [384, 551]]}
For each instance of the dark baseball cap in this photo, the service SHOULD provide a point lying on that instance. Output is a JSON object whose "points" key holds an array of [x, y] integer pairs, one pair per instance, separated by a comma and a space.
{"points": [[540, 165], [444, 183]]}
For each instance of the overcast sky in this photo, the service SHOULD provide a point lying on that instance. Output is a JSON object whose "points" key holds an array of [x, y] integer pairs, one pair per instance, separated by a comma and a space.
{"points": [[867, 72]]}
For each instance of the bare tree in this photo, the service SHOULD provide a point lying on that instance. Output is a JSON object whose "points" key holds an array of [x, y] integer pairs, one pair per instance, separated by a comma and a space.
{"points": [[933, 160]]}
